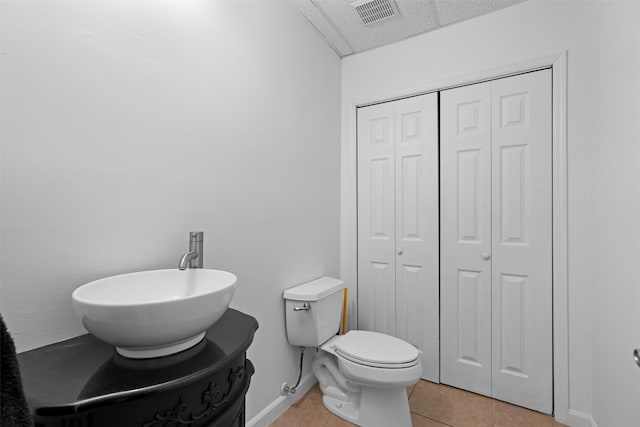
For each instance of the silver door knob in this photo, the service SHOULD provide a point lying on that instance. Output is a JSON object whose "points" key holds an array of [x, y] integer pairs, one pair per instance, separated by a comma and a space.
{"points": [[636, 356], [486, 255], [399, 251]]}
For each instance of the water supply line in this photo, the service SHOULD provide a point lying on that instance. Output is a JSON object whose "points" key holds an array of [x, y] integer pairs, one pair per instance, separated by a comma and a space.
{"points": [[285, 388]]}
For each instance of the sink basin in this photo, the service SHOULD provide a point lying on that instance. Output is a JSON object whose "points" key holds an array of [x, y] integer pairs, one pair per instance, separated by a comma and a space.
{"points": [[154, 313]]}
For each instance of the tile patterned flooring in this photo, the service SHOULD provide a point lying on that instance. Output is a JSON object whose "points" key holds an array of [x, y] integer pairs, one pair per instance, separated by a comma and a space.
{"points": [[432, 405]]}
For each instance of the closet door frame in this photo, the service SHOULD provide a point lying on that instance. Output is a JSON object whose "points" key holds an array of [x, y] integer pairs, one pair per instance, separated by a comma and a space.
{"points": [[349, 239]]}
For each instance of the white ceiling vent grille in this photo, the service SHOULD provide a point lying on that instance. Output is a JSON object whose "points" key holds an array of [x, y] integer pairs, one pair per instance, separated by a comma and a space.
{"points": [[372, 11]]}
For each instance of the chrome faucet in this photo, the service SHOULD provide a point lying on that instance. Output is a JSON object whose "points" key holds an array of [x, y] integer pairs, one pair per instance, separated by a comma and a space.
{"points": [[193, 258]]}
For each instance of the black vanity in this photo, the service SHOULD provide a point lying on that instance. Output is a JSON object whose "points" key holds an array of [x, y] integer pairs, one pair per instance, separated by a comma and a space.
{"points": [[83, 382]]}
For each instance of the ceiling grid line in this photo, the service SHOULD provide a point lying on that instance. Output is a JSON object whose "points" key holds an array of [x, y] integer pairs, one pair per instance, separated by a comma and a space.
{"points": [[332, 24]]}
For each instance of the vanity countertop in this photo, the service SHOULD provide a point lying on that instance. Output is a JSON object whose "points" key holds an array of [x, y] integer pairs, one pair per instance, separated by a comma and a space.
{"points": [[83, 373]]}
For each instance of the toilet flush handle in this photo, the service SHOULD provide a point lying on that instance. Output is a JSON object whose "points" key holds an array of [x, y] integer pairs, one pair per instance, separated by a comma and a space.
{"points": [[306, 306]]}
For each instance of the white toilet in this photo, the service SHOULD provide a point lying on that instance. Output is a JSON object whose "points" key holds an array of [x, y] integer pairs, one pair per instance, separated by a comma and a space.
{"points": [[363, 375]]}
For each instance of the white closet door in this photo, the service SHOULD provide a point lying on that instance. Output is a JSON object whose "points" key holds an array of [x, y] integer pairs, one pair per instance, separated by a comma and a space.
{"points": [[376, 219], [521, 235], [417, 299], [496, 239], [398, 223], [465, 266]]}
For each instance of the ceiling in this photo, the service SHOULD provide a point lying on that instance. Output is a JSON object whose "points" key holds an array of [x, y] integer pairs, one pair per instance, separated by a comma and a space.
{"points": [[344, 29]]}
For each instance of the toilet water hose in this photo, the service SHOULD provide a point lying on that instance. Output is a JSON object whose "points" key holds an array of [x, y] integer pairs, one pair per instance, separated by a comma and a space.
{"points": [[286, 389]]}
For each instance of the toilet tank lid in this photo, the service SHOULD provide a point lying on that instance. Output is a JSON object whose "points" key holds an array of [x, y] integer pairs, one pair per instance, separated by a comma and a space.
{"points": [[314, 290]]}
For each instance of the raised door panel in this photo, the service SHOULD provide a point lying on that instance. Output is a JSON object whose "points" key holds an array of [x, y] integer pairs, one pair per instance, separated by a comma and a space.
{"points": [[468, 196], [465, 241], [376, 218], [521, 227], [376, 312], [416, 192], [468, 318]]}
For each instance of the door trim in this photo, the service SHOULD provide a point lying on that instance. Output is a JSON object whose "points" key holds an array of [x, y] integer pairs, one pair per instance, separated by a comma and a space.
{"points": [[348, 215]]}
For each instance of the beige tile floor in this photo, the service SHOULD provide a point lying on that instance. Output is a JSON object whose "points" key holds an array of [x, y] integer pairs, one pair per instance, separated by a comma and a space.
{"points": [[432, 405]]}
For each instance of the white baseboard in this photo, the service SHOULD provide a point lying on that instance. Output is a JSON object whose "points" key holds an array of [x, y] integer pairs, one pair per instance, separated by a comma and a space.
{"points": [[282, 403], [580, 419]]}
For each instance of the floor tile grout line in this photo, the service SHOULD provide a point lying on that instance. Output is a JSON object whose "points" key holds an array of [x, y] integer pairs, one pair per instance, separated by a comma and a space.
{"points": [[432, 419]]}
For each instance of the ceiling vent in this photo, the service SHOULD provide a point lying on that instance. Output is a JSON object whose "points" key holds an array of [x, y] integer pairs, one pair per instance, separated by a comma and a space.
{"points": [[372, 11]]}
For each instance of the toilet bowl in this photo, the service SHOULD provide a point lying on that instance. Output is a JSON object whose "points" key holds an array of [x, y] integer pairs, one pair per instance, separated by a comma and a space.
{"points": [[375, 359], [363, 375], [373, 371]]}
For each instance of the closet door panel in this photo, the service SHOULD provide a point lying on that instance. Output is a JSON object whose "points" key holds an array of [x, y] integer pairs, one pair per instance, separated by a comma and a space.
{"points": [[416, 192], [465, 266], [376, 218], [521, 253]]}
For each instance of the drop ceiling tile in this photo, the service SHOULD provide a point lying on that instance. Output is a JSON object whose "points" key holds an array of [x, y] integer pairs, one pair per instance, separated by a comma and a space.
{"points": [[324, 27], [342, 28], [459, 10], [415, 16]]}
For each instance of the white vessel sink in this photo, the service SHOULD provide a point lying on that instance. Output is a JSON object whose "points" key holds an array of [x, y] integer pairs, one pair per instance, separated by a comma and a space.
{"points": [[154, 313]]}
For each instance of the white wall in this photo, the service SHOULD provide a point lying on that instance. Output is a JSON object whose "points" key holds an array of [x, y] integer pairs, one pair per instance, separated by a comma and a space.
{"points": [[615, 96], [127, 124], [603, 46]]}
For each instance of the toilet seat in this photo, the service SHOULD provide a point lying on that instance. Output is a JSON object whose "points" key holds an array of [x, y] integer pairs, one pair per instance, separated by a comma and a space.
{"points": [[376, 350]]}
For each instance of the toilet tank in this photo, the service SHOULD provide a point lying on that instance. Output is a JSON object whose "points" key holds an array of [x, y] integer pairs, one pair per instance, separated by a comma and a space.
{"points": [[312, 327]]}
